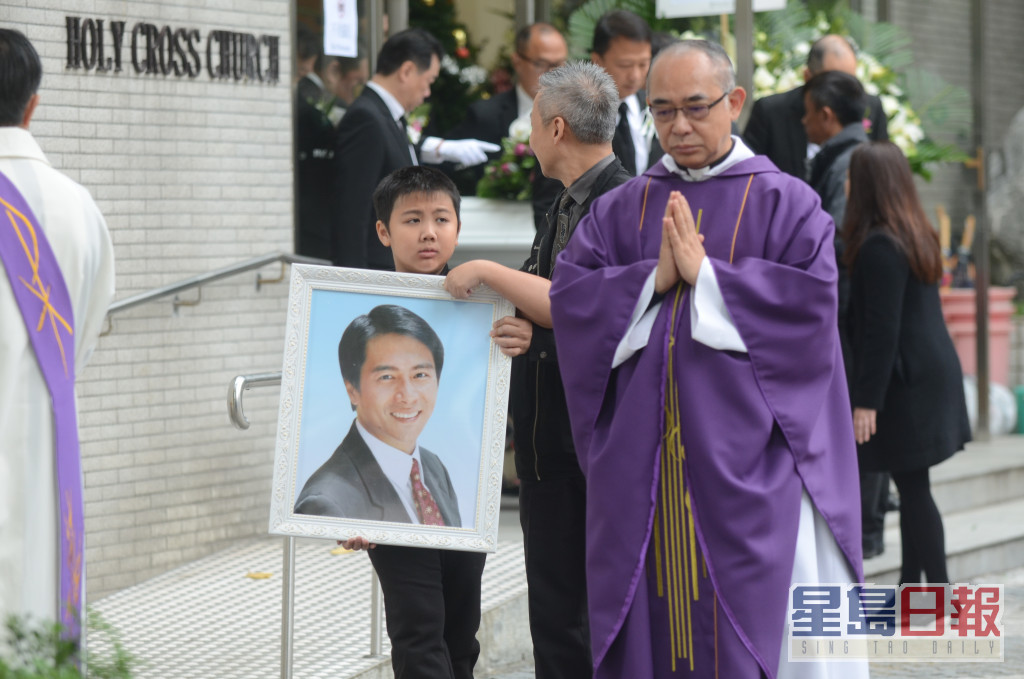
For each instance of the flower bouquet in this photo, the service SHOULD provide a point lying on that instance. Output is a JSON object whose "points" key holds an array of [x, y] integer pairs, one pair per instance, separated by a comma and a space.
{"points": [[509, 176]]}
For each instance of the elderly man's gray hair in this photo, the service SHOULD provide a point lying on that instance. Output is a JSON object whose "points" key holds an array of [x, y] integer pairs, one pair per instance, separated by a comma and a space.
{"points": [[725, 74], [585, 96]]}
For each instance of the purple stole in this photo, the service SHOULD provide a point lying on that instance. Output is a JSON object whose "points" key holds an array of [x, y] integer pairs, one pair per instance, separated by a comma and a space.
{"points": [[45, 305]]}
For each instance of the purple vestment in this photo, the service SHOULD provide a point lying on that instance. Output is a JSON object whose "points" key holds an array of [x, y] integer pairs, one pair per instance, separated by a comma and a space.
{"points": [[755, 427]]}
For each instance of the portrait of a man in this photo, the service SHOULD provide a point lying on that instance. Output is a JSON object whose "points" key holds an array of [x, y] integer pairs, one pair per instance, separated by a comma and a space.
{"points": [[391, 362]]}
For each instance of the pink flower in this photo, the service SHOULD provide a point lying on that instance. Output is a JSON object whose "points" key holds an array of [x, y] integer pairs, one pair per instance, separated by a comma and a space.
{"points": [[867, 125], [521, 149], [505, 168]]}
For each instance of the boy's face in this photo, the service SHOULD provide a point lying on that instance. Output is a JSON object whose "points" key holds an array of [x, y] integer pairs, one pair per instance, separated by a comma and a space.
{"points": [[422, 233]]}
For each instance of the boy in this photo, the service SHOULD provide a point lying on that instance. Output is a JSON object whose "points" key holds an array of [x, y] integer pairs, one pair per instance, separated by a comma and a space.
{"points": [[431, 596]]}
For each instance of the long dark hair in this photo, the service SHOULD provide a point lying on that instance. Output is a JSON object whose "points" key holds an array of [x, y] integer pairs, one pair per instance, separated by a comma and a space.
{"points": [[883, 198]]}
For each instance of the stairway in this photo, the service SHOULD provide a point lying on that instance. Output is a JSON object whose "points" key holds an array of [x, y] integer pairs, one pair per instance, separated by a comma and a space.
{"points": [[980, 492]]}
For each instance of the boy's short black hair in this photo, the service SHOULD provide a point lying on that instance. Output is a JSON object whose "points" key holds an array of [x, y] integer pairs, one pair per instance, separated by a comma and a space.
{"points": [[20, 74], [412, 179], [841, 92]]}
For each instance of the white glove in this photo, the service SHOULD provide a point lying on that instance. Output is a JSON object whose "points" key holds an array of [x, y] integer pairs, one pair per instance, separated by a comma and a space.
{"points": [[466, 152]]}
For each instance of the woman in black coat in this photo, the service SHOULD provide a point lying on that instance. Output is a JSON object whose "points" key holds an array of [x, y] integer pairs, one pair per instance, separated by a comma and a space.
{"points": [[907, 388]]}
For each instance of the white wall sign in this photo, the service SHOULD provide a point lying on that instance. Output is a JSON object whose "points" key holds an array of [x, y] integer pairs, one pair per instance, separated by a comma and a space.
{"points": [[670, 9], [341, 28]]}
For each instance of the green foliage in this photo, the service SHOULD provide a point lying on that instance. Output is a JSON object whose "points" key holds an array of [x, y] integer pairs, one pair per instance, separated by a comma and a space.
{"points": [[458, 85], [583, 20], [945, 109], [40, 651]]}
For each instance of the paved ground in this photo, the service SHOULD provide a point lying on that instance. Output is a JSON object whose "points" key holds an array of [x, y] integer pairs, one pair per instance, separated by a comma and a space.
{"points": [[1012, 665]]}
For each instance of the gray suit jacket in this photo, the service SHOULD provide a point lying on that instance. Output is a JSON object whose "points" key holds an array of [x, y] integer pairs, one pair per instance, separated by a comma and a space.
{"points": [[351, 485]]}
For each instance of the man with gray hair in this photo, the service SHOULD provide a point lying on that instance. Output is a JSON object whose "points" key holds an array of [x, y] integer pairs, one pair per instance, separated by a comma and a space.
{"points": [[573, 122], [694, 313], [774, 128]]}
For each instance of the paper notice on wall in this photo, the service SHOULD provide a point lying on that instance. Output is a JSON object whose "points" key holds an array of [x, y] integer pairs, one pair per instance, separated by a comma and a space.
{"points": [[703, 8], [341, 32]]}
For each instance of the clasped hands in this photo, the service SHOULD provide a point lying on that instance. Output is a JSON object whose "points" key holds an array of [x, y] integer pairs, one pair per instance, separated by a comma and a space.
{"points": [[682, 248]]}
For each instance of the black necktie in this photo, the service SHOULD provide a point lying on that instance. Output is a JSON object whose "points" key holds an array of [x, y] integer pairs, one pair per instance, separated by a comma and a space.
{"points": [[561, 228], [403, 127], [626, 150]]}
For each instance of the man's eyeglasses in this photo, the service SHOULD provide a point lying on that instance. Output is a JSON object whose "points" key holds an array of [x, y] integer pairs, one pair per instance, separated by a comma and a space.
{"points": [[540, 65], [663, 113]]}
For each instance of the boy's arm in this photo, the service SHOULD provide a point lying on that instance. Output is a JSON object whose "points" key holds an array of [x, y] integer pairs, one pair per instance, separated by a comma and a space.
{"points": [[528, 292]]}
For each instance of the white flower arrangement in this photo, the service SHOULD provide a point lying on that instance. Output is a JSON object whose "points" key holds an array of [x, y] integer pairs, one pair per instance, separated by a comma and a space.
{"points": [[781, 70]]}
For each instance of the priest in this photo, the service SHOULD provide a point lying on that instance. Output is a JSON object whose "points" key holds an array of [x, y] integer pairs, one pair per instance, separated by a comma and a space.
{"points": [[695, 318]]}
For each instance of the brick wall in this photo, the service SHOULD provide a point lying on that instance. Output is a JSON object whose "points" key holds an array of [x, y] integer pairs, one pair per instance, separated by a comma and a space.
{"points": [[941, 41], [192, 174]]}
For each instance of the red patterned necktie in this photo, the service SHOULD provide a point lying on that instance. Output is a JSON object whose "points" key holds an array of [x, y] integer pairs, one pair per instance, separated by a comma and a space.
{"points": [[430, 515]]}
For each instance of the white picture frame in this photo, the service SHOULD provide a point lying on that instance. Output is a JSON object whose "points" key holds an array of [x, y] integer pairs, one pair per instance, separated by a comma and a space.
{"points": [[465, 430]]}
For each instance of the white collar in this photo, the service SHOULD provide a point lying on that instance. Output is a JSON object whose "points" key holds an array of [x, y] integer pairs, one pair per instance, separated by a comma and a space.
{"points": [[524, 104], [17, 142], [740, 152], [396, 108], [315, 79], [397, 464]]}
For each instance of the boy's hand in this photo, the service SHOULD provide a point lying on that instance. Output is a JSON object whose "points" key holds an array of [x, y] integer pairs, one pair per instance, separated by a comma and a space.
{"points": [[356, 544], [512, 335], [461, 280]]}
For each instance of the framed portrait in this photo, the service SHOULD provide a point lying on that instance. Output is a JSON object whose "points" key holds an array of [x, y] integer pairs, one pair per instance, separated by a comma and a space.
{"points": [[392, 416]]}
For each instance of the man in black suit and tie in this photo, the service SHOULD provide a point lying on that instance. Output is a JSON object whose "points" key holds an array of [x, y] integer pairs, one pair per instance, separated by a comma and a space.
{"points": [[622, 46], [774, 128], [373, 141], [391, 361]]}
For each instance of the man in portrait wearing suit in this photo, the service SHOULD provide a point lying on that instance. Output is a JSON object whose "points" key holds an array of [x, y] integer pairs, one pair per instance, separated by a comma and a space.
{"points": [[539, 48], [774, 128], [373, 141], [622, 46], [391, 363]]}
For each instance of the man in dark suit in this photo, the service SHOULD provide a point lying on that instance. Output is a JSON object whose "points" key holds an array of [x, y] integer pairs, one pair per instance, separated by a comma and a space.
{"points": [[373, 141], [622, 46], [573, 121], [774, 128], [391, 361], [538, 49]]}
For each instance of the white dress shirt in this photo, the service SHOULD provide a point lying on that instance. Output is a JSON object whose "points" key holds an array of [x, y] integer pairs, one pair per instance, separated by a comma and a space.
{"points": [[637, 131], [397, 466]]}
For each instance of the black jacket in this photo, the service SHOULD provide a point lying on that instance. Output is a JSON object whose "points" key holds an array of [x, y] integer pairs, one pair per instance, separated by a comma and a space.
{"points": [[774, 129], [369, 146], [314, 164], [904, 363], [540, 416], [620, 144]]}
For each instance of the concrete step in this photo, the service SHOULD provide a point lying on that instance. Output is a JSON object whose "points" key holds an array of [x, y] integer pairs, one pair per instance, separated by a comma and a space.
{"points": [[983, 474], [978, 540]]}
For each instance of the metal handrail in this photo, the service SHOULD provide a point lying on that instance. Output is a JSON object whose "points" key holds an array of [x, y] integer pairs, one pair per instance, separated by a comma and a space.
{"points": [[235, 389], [240, 384], [210, 277]]}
